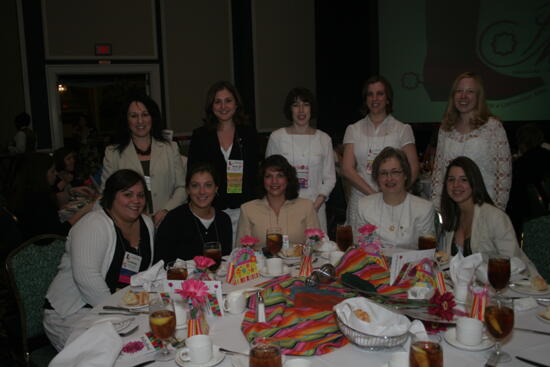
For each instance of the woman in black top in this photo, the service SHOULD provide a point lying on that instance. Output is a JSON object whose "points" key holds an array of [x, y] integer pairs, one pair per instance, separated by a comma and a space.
{"points": [[230, 145], [188, 227]]}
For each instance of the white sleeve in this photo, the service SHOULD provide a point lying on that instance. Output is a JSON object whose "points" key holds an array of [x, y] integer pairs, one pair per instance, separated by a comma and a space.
{"points": [[439, 169], [502, 160], [426, 223], [407, 135], [349, 136], [20, 142], [329, 171], [272, 146], [110, 164]]}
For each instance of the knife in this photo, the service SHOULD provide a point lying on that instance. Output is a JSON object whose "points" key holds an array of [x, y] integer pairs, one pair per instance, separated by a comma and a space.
{"points": [[129, 310], [532, 362], [532, 331], [143, 364]]}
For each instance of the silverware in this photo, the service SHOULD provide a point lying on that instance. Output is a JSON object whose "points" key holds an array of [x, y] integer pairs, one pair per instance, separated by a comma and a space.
{"points": [[532, 362], [532, 331], [233, 352], [126, 309], [129, 332], [143, 363], [120, 313]]}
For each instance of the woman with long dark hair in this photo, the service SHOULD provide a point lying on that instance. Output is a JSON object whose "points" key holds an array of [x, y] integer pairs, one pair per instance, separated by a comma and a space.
{"points": [[472, 223], [141, 147], [228, 143]]}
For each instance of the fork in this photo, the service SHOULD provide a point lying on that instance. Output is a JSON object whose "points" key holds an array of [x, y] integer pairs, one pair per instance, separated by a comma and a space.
{"points": [[129, 332]]}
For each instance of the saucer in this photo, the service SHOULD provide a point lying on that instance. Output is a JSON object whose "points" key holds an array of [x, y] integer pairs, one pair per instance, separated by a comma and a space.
{"points": [[527, 290], [286, 270], [543, 318], [450, 337], [217, 357]]}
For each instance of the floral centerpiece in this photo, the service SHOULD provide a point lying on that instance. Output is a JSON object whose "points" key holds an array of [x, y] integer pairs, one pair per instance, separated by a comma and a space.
{"points": [[368, 239], [202, 263], [195, 293], [248, 241]]}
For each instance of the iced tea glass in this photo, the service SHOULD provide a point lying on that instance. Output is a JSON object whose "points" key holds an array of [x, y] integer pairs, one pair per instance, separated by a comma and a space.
{"points": [[265, 354], [427, 242], [344, 236], [213, 250], [274, 240], [499, 320], [426, 351], [176, 270], [162, 320], [498, 272]]}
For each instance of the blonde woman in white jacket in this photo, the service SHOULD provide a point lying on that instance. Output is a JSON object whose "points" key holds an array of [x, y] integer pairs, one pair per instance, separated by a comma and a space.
{"points": [[471, 221]]}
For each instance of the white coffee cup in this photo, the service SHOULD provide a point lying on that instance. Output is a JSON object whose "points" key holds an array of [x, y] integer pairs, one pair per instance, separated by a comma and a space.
{"points": [[198, 349], [234, 302], [469, 331], [274, 266], [298, 362], [335, 256], [399, 359]]}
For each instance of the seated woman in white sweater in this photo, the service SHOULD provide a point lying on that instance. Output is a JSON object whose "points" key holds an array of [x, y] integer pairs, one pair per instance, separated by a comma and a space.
{"points": [[472, 223], [92, 267], [400, 217]]}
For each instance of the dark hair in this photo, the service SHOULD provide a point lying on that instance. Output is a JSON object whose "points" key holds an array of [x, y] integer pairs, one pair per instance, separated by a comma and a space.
{"points": [[302, 94], [201, 167], [481, 113], [31, 180], [210, 119], [449, 208], [124, 135], [279, 163], [22, 120], [59, 157], [390, 152], [529, 136], [387, 89], [122, 179]]}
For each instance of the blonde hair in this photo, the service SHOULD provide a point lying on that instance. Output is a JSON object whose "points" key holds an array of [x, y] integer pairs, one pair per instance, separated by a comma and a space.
{"points": [[481, 111]]}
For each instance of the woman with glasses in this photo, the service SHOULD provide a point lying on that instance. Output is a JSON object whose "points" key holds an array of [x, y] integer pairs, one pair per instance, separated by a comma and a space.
{"points": [[469, 129], [400, 217], [365, 139]]}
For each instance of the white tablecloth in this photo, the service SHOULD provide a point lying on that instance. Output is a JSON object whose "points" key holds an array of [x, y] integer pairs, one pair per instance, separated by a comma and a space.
{"points": [[226, 332]]}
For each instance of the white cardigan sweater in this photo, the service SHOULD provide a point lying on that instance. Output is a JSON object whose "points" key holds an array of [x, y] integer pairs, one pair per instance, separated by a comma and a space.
{"points": [[89, 251]]}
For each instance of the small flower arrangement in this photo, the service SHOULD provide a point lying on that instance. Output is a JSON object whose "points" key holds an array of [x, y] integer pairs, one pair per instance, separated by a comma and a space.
{"points": [[202, 263], [195, 293], [314, 234], [248, 241], [368, 239], [442, 305]]}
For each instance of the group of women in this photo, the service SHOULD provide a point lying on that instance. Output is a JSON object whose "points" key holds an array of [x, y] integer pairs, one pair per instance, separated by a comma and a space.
{"points": [[143, 174]]}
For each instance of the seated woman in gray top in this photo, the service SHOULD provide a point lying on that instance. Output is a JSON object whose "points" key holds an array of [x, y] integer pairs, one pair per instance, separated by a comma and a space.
{"points": [[92, 267]]}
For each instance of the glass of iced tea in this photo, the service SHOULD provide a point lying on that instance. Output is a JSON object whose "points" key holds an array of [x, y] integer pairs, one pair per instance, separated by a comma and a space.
{"points": [[498, 272], [265, 354], [176, 270], [162, 320], [427, 242], [344, 236], [499, 320], [426, 351], [274, 240], [213, 250]]}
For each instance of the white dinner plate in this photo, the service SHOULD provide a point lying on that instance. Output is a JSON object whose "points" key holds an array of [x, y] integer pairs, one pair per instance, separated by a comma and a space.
{"points": [[450, 337], [526, 289], [217, 357], [121, 303], [119, 322], [290, 259], [265, 274], [543, 318]]}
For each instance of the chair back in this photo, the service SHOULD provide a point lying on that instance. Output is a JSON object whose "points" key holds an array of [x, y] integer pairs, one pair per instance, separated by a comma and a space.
{"points": [[31, 268], [536, 237]]}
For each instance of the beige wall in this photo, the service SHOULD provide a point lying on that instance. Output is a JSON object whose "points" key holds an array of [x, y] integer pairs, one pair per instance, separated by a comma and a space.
{"points": [[198, 52], [12, 99], [72, 28], [284, 55]]}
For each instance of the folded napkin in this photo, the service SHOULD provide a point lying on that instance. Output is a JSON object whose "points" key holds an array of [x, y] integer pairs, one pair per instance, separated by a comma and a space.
{"points": [[150, 278], [99, 346], [383, 322], [524, 304], [327, 245], [462, 269], [517, 266]]}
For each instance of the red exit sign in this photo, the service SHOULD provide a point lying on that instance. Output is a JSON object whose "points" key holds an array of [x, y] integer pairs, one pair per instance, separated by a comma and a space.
{"points": [[103, 49]]}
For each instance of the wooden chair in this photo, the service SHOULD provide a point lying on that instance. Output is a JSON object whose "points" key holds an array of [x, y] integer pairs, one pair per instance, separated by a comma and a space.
{"points": [[31, 268]]}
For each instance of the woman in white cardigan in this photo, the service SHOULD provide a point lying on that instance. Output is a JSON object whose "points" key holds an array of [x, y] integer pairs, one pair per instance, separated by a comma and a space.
{"points": [[93, 266], [141, 147], [471, 221], [309, 150]]}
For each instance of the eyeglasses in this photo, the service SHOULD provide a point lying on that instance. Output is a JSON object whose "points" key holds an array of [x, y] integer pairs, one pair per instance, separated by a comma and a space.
{"points": [[392, 174]]}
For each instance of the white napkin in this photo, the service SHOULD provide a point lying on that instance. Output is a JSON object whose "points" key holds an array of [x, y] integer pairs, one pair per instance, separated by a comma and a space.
{"points": [[383, 322], [517, 266], [327, 245], [150, 278], [98, 346], [462, 268], [524, 304]]}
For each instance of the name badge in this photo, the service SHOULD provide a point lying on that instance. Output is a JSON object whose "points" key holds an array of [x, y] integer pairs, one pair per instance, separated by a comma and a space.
{"points": [[286, 243], [370, 159], [130, 266], [235, 176], [302, 171], [147, 182]]}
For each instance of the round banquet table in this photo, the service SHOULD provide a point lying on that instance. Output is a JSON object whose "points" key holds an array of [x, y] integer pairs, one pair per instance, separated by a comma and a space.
{"points": [[225, 332]]}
